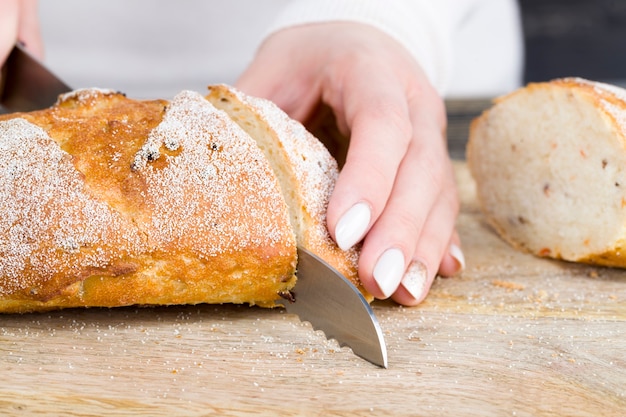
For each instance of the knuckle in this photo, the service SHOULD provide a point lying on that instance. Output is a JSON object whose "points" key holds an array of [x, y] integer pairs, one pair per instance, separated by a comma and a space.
{"points": [[409, 225], [434, 174], [394, 116], [425, 97]]}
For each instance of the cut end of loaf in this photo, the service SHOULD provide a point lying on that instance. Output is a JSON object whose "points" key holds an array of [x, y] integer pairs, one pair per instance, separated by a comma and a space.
{"points": [[303, 166], [549, 161]]}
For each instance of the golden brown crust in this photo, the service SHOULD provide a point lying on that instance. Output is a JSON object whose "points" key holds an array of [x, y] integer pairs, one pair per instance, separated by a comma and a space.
{"points": [[116, 202]]}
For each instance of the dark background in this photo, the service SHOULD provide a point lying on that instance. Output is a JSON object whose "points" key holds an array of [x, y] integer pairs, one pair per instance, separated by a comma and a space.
{"points": [[585, 38]]}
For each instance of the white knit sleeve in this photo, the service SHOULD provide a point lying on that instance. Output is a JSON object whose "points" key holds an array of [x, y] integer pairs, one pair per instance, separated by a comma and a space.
{"points": [[422, 26]]}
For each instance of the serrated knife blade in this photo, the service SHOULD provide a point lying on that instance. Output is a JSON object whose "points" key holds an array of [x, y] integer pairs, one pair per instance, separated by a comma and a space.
{"points": [[331, 303], [323, 296]]}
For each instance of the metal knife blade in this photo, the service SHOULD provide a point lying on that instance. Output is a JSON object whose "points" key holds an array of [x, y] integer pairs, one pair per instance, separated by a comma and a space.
{"points": [[323, 296], [331, 303], [27, 84]]}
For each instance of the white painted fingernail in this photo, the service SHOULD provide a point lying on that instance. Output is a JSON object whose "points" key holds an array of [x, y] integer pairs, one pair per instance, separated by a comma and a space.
{"points": [[456, 252], [414, 279], [389, 270], [353, 225]]}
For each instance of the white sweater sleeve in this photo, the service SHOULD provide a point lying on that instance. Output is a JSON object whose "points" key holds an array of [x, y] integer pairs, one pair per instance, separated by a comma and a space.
{"points": [[427, 28]]}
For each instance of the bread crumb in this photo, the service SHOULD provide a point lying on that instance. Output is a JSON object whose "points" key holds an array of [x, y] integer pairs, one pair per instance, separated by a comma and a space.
{"points": [[539, 297], [507, 285]]}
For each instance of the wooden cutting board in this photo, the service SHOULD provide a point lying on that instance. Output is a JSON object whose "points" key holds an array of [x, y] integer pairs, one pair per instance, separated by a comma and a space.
{"points": [[513, 336]]}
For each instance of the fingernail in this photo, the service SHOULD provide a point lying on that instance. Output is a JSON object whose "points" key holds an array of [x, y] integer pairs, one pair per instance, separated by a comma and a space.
{"points": [[353, 225], [456, 252], [389, 270], [414, 279]]}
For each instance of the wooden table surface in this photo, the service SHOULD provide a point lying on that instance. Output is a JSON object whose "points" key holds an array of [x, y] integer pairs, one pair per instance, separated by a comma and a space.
{"points": [[513, 336]]}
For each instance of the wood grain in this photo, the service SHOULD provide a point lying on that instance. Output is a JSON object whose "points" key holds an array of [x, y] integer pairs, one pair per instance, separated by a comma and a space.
{"points": [[513, 336]]}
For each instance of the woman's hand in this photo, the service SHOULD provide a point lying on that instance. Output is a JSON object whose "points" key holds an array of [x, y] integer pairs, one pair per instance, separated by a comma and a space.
{"points": [[396, 191], [19, 23]]}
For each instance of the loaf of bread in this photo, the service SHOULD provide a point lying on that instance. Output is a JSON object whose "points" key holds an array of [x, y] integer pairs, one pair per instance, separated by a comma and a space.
{"points": [[549, 161], [108, 201]]}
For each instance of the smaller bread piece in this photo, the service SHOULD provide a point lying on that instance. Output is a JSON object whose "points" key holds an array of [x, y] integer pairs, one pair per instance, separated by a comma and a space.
{"points": [[305, 170], [549, 161]]}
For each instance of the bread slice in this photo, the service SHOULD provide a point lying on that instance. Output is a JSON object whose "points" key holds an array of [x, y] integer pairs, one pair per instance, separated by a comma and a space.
{"points": [[305, 169], [549, 162], [108, 201]]}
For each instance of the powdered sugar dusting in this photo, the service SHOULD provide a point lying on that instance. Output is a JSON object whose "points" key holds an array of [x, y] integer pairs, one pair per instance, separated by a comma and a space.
{"points": [[50, 225], [218, 193], [306, 171], [608, 94], [314, 168], [617, 112], [85, 94], [602, 88]]}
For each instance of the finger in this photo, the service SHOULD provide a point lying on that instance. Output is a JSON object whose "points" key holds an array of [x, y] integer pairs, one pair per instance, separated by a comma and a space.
{"points": [[391, 243], [9, 16], [29, 31], [432, 248], [380, 133], [416, 277], [453, 261]]}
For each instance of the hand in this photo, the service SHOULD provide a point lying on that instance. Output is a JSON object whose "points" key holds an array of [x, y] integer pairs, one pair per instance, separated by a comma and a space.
{"points": [[19, 22], [396, 191]]}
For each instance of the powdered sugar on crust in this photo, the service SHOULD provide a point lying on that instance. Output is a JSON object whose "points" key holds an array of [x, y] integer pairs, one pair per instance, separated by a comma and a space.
{"points": [[85, 94], [314, 168], [612, 99], [208, 185], [602, 88], [617, 112], [50, 225], [316, 172]]}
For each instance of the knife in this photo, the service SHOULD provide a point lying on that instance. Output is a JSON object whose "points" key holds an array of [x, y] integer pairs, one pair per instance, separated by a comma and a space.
{"points": [[28, 85], [331, 303], [322, 295]]}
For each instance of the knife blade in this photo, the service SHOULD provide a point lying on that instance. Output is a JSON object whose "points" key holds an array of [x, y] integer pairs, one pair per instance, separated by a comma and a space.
{"points": [[27, 84], [331, 303], [323, 296]]}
